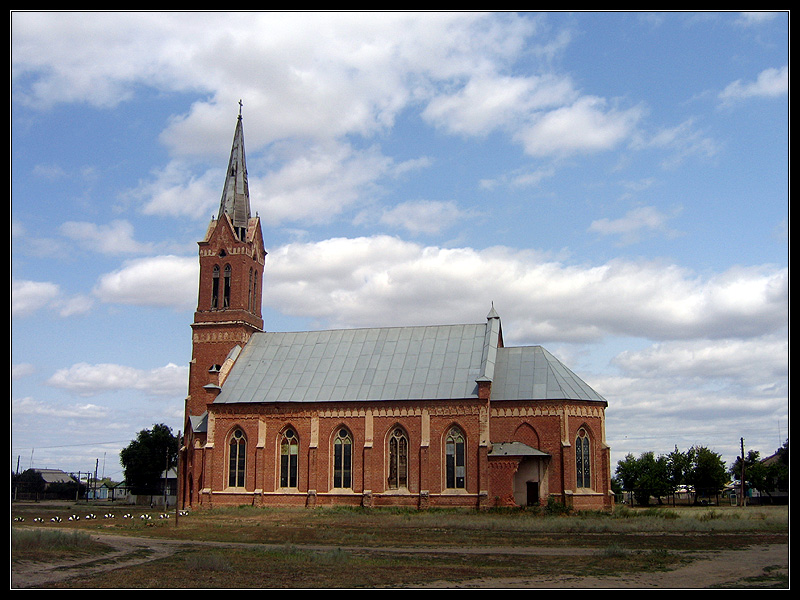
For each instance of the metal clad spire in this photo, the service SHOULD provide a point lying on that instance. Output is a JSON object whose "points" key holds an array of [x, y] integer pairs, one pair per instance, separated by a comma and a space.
{"points": [[235, 200]]}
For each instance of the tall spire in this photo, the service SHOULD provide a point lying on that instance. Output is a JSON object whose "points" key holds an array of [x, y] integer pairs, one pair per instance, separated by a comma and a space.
{"points": [[235, 200]]}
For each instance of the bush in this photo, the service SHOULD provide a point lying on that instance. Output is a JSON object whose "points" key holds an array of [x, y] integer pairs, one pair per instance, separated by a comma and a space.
{"points": [[555, 508]]}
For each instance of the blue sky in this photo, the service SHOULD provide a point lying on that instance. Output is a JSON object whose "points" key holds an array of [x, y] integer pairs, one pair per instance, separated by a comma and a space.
{"points": [[615, 183]]}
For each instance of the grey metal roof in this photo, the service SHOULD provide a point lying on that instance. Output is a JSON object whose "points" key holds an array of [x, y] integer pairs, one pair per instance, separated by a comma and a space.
{"points": [[199, 423], [394, 363], [532, 373], [55, 476]]}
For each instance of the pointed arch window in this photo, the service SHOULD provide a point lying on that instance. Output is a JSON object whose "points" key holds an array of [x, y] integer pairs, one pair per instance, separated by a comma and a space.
{"points": [[255, 292], [237, 452], [398, 459], [226, 293], [289, 453], [583, 462], [455, 459], [343, 459], [250, 292], [215, 287]]}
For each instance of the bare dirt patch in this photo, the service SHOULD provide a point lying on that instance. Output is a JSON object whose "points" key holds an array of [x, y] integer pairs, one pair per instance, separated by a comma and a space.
{"points": [[758, 566]]}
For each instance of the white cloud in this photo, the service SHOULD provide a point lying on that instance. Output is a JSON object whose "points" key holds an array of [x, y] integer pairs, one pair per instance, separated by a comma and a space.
{"points": [[521, 178], [682, 141], [169, 281], [748, 362], [86, 380], [30, 407], [114, 238], [490, 102], [22, 370], [631, 227], [423, 216], [707, 392], [770, 83], [587, 125], [316, 184], [748, 19], [29, 297], [313, 75], [378, 280], [177, 192]]}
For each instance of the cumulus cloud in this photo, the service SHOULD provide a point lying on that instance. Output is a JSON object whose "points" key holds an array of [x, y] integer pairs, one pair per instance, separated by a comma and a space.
{"points": [[770, 83], [716, 390], [115, 238], [21, 370], [177, 191], [749, 362], [496, 101], [372, 280], [636, 223], [587, 125], [29, 297], [424, 216], [35, 408], [86, 380], [315, 184], [169, 281], [349, 74]]}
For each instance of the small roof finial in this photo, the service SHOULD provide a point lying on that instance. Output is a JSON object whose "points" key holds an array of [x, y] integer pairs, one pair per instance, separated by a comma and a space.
{"points": [[240, 108], [493, 313]]}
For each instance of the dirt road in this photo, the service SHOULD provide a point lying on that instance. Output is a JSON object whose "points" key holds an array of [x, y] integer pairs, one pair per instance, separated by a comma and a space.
{"points": [[723, 568]]}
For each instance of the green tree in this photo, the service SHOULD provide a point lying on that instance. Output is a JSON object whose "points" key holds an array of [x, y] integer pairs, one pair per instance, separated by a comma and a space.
{"points": [[706, 471], [753, 470], [146, 457], [627, 473], [30, 482], [678, 467], [766, 476], [647, 476]]}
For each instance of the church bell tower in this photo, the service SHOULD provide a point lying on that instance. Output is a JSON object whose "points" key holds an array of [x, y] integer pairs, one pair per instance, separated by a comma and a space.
{"points": [[232, 260]]}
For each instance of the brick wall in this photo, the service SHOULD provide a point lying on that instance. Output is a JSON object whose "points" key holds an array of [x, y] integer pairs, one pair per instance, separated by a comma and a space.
{"points": [[488, 481]]}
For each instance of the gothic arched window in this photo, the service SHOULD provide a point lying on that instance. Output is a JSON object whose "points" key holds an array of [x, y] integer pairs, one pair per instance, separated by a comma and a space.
{"points": [[342, 459], [289, 455], [455, 459], [215, 287], [237, 452], [398, 459], [226, 294], [583, 463], [250, 292], [255, 292]]}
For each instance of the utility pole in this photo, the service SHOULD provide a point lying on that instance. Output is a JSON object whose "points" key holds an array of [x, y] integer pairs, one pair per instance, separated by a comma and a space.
{"points": [[744, 498], [178, 480], [166, 478]]}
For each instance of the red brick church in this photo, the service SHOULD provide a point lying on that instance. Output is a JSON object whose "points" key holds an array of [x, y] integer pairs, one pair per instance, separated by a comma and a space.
{"points": [[428, 416]]}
